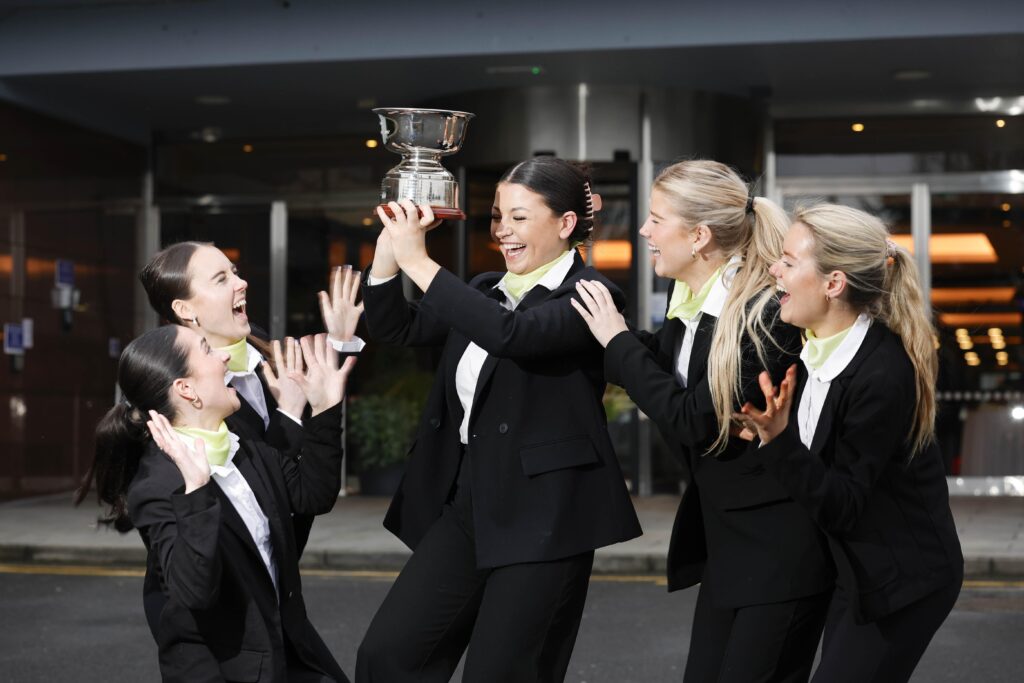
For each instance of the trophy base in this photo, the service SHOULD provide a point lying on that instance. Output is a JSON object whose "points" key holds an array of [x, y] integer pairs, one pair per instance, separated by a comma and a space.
{"points": [[441, 212]]}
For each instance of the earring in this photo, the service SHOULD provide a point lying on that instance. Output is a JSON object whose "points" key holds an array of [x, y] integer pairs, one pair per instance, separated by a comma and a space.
{"points": [[693, 252], [195, 320], [196, 403]]}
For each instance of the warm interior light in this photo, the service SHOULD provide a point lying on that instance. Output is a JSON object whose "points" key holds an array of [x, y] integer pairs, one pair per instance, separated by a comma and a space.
{"points": [[1005, 206], [371, 143], [857, 127], [1000, 123], [233, 253], [965, 247], [3, 157], [962, 295], [247, 148], [613, 254], [367, 221], [1007, 223], [980, 319]]}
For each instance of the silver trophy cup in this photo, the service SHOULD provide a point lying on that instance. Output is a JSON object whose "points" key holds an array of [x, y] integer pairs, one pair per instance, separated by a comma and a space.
{"points": [[422, 137]]}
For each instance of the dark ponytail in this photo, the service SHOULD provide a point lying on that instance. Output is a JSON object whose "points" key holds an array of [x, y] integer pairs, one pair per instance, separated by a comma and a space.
{"points": [[562, 185], [148, 367]]}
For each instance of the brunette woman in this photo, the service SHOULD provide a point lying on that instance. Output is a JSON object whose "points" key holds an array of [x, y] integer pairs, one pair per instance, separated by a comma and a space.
{"points": [[850, 434], [512, 481], [222, 592], [763, 568]]}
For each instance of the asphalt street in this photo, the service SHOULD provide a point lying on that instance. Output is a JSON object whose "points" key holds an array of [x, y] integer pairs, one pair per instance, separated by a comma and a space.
{"points": [[86, 624]]}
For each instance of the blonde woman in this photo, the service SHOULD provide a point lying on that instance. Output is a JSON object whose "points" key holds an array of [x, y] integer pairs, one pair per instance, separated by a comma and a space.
{"points": [[850, 436], [763, 566]]}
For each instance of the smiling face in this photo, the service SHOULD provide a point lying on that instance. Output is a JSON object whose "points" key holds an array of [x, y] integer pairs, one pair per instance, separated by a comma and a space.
{"points": [[207, 368], [527, 231], [803, 286], [669, 239], [218, 298]]}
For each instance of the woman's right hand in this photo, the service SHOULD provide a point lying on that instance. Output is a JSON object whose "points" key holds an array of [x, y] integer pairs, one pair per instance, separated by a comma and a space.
{"points": [[339, 308], [598, 311], [774, 419], [191, 462], [384, 263], [323, 382]]}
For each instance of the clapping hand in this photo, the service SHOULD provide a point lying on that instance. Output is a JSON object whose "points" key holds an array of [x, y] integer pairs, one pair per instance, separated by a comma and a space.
{"points": [[771, 421], [191, 462], [598, 311], [339, 308], [289, 396], [323, 382]]}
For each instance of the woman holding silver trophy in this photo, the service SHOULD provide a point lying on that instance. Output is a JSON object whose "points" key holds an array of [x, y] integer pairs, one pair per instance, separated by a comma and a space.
{"points": [[512, 482]]}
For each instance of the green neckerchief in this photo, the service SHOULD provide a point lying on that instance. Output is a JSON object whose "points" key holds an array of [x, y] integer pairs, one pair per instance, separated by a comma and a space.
{"points": [[518, 285], [218, 443], [819, 350], [684, 304], [239, 361]]}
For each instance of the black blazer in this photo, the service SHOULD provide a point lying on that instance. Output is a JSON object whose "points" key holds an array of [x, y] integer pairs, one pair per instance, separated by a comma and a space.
{"points": [[887, 516], [736, 528], [209, 599], [545, 480]]}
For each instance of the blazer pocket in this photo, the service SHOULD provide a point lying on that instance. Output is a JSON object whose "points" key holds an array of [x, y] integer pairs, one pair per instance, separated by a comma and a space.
{"points": [[557, 455]]}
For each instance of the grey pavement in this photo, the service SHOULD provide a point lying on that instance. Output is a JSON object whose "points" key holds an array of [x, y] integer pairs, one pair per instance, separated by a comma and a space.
{"points": [[49, 529]]}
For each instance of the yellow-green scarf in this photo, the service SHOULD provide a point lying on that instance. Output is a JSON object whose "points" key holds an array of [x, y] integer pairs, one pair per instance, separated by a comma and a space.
{"points": [[684, 304], [518, 285], [218, 443], [239, 361], [818, 350]]}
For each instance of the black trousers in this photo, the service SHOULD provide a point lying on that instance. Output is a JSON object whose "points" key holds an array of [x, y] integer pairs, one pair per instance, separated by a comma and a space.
{"points": [[519, 621], [774, 642], [886, 650]]}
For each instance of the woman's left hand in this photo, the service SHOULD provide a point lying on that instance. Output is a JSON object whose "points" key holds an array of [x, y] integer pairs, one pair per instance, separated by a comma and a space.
{"points": [[408, 230], [774, 419], [599, 311], [339, 308], [289, 395], [323, 382]]}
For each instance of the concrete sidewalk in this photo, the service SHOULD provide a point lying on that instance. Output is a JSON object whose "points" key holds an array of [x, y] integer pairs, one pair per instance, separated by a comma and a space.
{"points": [[50, 530]]}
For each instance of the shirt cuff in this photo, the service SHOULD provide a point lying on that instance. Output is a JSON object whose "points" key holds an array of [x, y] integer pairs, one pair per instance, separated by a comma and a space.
{"points": [[374, 281], [290, 416], [353, 345]]}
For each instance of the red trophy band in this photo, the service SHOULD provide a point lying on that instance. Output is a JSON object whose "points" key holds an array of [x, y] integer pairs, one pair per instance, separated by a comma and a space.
{"points": [[440, 212]]}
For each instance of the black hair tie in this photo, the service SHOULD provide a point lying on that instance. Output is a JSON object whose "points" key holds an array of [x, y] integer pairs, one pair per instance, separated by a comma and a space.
{"points": [[750, 204]]}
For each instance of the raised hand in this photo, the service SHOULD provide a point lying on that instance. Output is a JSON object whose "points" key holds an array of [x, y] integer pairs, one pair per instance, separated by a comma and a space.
{"points": [[598, 311], [339, 309], [289, 396], [323, 382], [384, 264], [191, 462], [774, 419], [407, 230]]}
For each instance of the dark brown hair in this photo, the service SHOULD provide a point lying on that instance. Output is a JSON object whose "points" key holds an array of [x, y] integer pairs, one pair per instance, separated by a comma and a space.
{"points": [[562, 185]]}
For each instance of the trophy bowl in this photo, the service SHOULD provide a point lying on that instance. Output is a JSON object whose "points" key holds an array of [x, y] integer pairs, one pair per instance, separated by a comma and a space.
{"points": [[422, 137]]}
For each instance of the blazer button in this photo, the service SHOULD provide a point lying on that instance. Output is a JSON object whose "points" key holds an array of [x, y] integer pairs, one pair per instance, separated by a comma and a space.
{"points": [[435, 423], [291, 593], [503, 428]]}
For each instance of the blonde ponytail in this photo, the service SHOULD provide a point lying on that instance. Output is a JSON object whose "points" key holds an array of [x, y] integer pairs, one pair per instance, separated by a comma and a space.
{"points": [[712, 194], [881, 281]]}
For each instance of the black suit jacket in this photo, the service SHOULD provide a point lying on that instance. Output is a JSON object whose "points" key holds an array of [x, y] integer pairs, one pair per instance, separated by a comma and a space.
{"points": [[887, 516], [209, 599], [545, 480], [736, 527]]}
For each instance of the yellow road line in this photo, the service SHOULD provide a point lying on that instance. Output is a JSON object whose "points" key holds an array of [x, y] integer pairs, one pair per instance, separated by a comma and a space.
{"points": [[99, 570]]}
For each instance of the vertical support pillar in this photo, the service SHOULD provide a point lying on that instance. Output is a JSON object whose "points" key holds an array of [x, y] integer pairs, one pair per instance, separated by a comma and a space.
{"points": [[462, 231], [921, 232], [645, 283], [147, 243], [278, 268], [770, 188]]}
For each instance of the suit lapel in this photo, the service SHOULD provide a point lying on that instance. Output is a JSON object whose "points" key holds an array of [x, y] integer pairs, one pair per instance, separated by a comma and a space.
{"points": [[701, 348], [264, 492]]}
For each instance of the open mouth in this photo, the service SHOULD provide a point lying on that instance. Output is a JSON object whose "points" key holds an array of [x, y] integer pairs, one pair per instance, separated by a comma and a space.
{"points": [[783, 293], [512, 250], [655, 251], [239, 309]]}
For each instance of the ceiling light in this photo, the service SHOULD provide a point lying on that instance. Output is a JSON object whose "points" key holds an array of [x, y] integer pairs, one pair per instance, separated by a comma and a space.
{"points": [[977, 295], [213, 100], [1015, 110], [968, 247], [1005, 206], [3, 157], [999, 345], [961, 332], [857, 127], [995, 332], [1017, 413], [371, 143], [1000, 123], [367, 221], [966, 345], [1008, 319], [247, 148], [990, 104], [1007, 223]]}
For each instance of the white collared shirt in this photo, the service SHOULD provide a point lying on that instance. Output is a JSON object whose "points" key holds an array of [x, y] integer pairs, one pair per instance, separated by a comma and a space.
{"points": [[242, 498], [712, 305], [818, 381]]}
